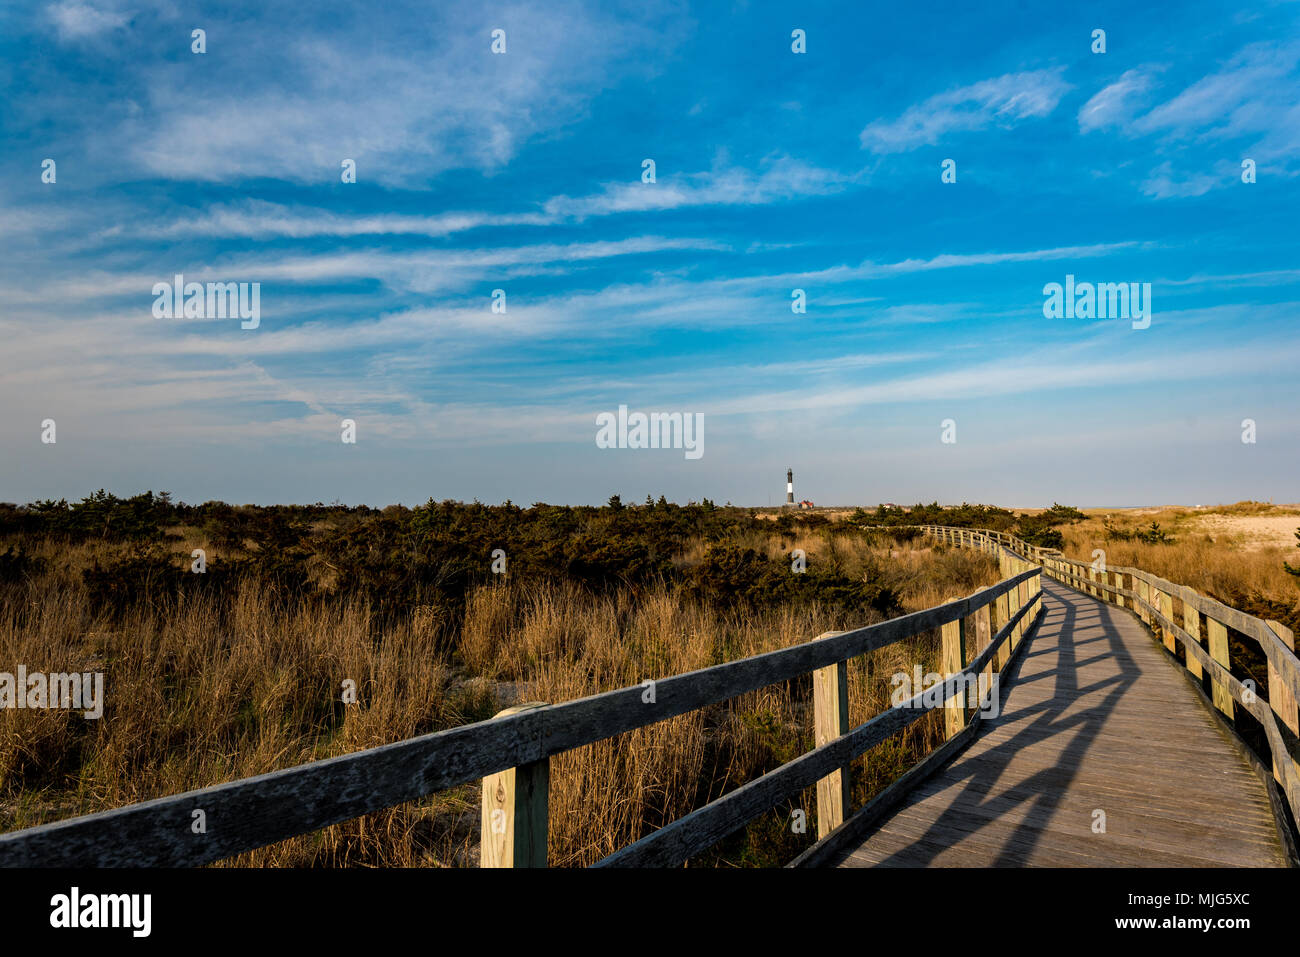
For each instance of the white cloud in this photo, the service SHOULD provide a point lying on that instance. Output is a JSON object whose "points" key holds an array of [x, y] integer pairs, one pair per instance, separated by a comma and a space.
{"points": [[1115, 105], [1251, 99], [1244, 97], [422, 93], [1164, 183], [445, 271], [79, 19], [1045, 371], [780, 179], [258, 219], [1003, 100]]}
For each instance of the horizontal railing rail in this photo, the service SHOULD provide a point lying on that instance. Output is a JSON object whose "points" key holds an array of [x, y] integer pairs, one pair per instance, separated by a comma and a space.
{"points": [[1151, 598], [511, 753]]}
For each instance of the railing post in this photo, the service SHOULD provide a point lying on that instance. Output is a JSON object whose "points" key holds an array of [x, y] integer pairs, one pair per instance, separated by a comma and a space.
{"points": [[1023, 590], [1192, 625], [1003, 608], [1218, 634], [1119, 583], [1165, 602], [983, 635], [515, 820], [1280, 696], [1013, 607], [954, 660], [830, 721], [1026, 600], [1143, 591]]}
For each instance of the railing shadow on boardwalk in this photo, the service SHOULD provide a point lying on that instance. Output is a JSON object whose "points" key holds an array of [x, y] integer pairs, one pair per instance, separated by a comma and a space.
{"points": [[1049, 785]]}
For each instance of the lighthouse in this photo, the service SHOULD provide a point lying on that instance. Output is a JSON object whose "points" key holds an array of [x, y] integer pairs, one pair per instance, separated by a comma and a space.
{"points": [[789, 488]]}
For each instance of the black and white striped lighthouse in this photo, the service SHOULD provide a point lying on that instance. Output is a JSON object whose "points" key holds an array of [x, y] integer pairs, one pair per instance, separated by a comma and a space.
{"points": [[789, 487]]}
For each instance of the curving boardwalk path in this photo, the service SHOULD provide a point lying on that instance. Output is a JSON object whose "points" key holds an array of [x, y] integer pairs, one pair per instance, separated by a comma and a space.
{"points": [[1095, 718]]}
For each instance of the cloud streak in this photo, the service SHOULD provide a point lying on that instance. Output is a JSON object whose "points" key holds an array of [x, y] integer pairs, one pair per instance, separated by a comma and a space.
{"points": [[1004, 101]]}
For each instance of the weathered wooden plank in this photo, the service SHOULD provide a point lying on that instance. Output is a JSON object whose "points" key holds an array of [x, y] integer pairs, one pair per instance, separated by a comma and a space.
{"points": [[514, 821], [1281, 698], [1249, 813], [953, 661], [1002, 605], [1192, 625], [830, 721], [1014, 607], [1022, 841], [1166, 606], [983, 632], [1028, 811], [1218, 641]]}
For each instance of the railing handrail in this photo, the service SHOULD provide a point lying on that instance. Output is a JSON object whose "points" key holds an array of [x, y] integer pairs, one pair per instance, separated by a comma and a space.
{"points": [[250, 813]]}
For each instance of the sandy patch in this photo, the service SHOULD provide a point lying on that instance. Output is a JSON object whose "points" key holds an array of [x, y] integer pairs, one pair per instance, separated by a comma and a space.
{"points": [[1251, 531]]}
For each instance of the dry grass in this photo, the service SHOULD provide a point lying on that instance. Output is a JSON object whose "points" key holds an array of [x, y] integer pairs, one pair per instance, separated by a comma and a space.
{"points": [[202, 691], [1234, 553]]}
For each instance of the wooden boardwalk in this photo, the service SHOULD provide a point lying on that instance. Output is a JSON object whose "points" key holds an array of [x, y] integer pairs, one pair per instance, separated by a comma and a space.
{"points": [[1097, 718]]}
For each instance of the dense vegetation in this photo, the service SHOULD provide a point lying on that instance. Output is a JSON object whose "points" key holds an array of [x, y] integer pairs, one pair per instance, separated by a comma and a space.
{"points": [[1039, 529], [397, 558]]}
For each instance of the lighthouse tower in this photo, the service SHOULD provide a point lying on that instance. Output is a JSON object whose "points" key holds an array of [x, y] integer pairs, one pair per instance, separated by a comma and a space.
{"points": [[789, 488]]}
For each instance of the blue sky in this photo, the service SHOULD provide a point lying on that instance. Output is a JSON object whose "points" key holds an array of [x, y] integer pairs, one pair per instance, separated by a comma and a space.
{"points": [[774, 171]]}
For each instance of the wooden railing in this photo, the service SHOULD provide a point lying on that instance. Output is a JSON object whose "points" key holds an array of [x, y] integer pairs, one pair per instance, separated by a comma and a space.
{"points": [[1200, 627], [511, 752]]}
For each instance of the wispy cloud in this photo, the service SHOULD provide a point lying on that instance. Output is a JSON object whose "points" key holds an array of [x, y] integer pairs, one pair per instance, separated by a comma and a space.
{"points": [[423, 96], [780, 179], [1164, 182], [1042, 370], [777, 180], [1004, 100], [1242, 98], [1117, 104], [260, 219], [1249, 100]]}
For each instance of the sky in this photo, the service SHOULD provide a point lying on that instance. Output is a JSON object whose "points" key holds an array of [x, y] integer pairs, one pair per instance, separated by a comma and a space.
{"points": [[924, 365]]}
